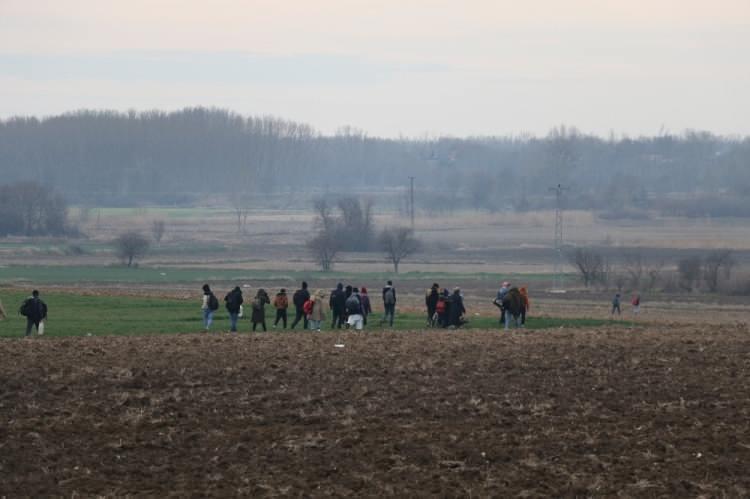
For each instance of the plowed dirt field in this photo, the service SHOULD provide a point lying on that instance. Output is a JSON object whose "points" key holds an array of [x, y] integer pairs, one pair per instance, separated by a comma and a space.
{"points": [[642, 412]]}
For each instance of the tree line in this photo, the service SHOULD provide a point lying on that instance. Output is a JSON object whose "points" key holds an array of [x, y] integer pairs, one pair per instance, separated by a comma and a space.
{"points": [[104, 157]]}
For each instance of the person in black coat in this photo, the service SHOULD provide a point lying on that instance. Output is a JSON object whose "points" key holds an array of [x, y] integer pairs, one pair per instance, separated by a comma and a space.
{"points": [[457, 309], [299, 298], [337, 302], [431, 300]]}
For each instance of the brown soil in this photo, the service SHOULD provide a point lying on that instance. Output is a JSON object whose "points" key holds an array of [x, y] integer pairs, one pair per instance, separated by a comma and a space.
{"points": [[658, 412]]}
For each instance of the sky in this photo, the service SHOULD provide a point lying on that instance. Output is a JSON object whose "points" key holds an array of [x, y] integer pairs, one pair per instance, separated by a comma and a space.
{"points": [[413, 68]]}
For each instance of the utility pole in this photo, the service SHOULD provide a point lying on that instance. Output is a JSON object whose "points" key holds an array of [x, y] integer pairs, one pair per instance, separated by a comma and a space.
{"points": [[411, 200], [557, 280]]}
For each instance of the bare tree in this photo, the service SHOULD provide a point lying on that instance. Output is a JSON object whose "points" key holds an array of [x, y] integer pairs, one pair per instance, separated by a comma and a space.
{"points": [[653, 271], [130, 246], [324, 247], [398, 243], [589, 263], [718, 262], [324, 211], [356, 223], [689, 271], [241, 206], [157, 230], [635, 266]]}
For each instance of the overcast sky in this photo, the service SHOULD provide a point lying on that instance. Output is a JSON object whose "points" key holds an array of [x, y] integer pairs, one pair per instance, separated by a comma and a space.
{"points": [[390, 67]]}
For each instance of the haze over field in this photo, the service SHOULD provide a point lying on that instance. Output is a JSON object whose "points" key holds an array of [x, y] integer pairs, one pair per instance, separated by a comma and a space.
{"points": [[387, 67]]}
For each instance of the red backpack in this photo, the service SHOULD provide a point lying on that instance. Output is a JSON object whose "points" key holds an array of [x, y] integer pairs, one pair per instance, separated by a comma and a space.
{"points": [[440, 307], [307, 308]]}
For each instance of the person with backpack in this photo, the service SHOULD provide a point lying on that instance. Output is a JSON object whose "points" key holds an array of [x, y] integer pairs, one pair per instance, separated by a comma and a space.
{"points": [[337, 303], [389, 303], [209, 306], [354, 310], [498, 301], [259, 309], [366, 306], [616, 305], [431, 300], [280, 303], [299, 298], [314, 309], [233, 303], [35, 311], [442, 309]]}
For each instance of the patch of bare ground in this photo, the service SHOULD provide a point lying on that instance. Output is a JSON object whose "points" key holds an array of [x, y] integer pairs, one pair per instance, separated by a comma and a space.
{"points": [[660, 411]]}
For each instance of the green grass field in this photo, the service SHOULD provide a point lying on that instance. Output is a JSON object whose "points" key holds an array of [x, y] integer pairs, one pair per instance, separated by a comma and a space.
{"points": [[155, 275], [78, 315]]}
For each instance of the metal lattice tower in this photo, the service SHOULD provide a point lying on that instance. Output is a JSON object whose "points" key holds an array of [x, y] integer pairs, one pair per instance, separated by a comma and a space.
{"points": [[558, 277]]}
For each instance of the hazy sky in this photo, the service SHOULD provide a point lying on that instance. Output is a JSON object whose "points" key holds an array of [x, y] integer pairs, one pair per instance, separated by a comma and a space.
{"points": [[390, 67]]}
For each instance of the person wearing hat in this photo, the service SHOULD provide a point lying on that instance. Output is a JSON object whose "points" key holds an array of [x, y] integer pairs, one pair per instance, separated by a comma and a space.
{"points": [[280, 303]]}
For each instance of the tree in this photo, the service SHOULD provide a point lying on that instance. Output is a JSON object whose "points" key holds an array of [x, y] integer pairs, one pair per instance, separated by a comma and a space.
{"points": [[713, 265], [157, 230], [241, 205], [130, 246], [689, 271], [324, 247], [635, 266], [30, 209], [589, 264], [356, 223], [398, 243]]}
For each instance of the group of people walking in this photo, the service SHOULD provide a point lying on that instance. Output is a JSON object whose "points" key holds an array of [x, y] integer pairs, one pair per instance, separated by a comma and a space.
{"points": [[349, 306]]}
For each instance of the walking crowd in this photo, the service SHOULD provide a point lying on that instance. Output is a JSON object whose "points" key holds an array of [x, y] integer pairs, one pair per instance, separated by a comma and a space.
{"points": [[350, 307]]}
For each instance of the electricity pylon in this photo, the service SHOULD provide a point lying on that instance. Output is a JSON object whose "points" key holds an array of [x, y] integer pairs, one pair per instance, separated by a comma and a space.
{"points": [[558, 277]]}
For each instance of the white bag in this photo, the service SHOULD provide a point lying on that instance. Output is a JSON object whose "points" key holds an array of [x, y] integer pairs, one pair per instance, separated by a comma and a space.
{"points": [[40, 329], [240, 314]]}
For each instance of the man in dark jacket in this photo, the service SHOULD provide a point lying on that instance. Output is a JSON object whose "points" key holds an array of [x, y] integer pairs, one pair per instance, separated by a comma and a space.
{"points": [[337, 302], [233, 302], [457, 309], [299, 298], [389, 303], [431, 300], [35, 311]]}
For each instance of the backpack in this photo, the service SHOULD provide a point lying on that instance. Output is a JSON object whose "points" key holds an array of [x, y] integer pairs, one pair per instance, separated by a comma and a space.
{"points": [[389, 298], [213, 302], [26, 308], [281, 301], [307, 308], [257, 303], [440, 308], [353, 305]]}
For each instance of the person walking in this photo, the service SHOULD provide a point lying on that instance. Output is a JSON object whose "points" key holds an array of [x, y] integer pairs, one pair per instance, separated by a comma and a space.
{"points": [[259, 309], [457, 309], [35, 311], [636, 302], [431, 301], [354, 310], [366, 306], [280, 303], [442, 309], [209, 306], [389, 303], [337, 303], [504, 288], [616, 305], [299, 298], [317, 312], [525, 304], [233, 303]]}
